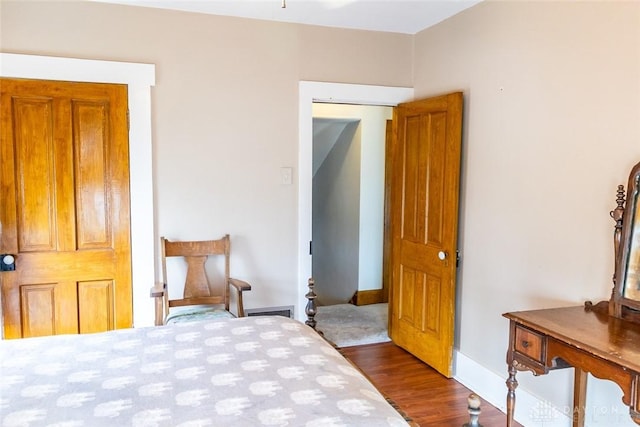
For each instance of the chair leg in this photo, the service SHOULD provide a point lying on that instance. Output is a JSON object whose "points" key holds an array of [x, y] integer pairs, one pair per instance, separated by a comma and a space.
{"points": [[240, 305], [159, 321]]}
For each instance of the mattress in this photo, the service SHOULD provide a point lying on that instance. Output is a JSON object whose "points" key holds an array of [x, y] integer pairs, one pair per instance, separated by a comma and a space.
{"points": [[252, 371]]}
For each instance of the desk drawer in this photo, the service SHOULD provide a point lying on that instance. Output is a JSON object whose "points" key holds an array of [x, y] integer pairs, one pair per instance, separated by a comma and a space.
{"points": [[529, 343]]}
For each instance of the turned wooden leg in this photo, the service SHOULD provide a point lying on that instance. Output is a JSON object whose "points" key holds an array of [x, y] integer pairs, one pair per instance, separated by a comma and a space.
{"points": [[579, 397], [634, 408], [512, 384], [474, 411], [310, 309]]}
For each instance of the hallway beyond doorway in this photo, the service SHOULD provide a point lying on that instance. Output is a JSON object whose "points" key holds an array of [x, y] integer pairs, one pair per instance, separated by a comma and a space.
{"points": [[347, 325]]}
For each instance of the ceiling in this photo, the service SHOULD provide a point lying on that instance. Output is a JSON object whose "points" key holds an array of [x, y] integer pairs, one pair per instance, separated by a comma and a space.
{"points": [[397, 16]]}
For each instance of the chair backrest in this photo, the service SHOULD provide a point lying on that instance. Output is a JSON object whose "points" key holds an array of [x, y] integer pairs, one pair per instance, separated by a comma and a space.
{"points": [[197, 288]]}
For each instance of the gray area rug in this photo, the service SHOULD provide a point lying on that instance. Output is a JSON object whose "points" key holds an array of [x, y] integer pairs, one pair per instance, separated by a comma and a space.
{"points": [[347, 325]]}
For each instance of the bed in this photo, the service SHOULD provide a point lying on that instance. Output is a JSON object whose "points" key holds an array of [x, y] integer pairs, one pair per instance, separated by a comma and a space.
{"points": [[251, 371]]}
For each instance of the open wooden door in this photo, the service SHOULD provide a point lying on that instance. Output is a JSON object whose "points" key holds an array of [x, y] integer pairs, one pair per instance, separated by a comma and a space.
{"points": [[424, 224], [64, 207]]}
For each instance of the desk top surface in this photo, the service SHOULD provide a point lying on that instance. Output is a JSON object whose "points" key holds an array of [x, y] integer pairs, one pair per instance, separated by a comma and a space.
{"points": [[605, 336]]}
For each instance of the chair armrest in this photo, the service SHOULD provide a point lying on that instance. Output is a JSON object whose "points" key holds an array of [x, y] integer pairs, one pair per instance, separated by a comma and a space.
{"points": [[157, 291], [240, 285]]}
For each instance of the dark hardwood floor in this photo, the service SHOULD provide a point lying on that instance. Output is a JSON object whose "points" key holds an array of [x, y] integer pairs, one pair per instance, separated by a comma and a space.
{"points": [[427, 397]]}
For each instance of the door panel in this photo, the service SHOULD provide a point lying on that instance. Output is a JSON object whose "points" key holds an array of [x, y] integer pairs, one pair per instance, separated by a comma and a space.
{"points": [[95, 306], [91, 170], [424, 218], [65, 207], [34, 173], [38, 309]]}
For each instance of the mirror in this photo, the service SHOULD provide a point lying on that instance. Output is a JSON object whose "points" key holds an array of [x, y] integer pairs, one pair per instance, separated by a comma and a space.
{"points": [[632, 274], [626, 292]]}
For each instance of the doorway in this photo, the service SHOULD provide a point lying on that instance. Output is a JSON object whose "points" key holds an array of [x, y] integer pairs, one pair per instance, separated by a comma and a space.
{"points": [[65, 211], [348, 201], [427, 131], [139, 78], [337, 93]]}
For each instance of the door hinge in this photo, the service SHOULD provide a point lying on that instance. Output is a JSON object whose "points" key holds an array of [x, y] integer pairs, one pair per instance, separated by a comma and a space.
{"points": [[457, 258], [310, 247]]}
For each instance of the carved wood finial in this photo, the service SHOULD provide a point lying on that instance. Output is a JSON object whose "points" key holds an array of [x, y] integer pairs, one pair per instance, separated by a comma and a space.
{"points": [[311, 308], [617, 214], [474, 411]]}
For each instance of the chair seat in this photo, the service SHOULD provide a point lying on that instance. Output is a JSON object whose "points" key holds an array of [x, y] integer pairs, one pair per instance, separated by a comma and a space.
{"points": [[198, 314]]}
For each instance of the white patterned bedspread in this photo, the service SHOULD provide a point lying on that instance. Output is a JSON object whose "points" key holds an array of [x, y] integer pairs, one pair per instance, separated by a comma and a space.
{"points": [[252, 371]]}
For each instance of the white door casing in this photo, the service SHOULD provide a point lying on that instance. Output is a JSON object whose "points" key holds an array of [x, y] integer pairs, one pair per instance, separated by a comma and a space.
{"points": [[139, 78]]}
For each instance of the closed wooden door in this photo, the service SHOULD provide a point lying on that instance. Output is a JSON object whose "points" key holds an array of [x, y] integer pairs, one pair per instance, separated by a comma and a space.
{"points": [[424, 224], [64, 207]]}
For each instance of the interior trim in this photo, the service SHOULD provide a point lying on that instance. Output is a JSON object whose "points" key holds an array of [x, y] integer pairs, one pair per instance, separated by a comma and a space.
{"points": [[492, 388], [139, 78]]}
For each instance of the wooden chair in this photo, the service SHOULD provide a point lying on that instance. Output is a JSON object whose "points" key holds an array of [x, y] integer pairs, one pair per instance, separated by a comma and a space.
{"points": [[200, 299]]}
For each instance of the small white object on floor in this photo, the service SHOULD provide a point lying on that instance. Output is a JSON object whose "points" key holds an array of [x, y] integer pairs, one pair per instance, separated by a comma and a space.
{"points": [[347, 325]]}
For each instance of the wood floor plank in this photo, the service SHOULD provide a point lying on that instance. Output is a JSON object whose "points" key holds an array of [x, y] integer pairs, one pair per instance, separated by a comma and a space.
{"points": [[427, 397]]}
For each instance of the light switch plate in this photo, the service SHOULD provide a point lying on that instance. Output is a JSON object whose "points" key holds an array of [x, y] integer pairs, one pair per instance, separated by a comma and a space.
{"points": [[286, 175]]}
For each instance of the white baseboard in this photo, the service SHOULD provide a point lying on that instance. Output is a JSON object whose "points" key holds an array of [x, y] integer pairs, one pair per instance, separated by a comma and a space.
{"points": [[530, 410]]}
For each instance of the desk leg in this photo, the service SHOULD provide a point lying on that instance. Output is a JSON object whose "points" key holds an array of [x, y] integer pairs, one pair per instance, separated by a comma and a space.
{"points": [[579, 397], [512, 384]]}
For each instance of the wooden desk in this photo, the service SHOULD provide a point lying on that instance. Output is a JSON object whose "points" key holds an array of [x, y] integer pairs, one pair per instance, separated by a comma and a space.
{"points": [[591, 342]]}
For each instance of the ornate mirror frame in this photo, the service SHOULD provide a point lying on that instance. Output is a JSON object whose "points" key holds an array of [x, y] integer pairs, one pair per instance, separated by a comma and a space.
{"points": [[625, 298]]}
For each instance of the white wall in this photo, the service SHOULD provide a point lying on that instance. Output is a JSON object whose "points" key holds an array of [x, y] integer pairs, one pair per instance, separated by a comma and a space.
{"points": [[336, 218], [552, 100], [372, 165], [551, 127], [225, 116]]}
